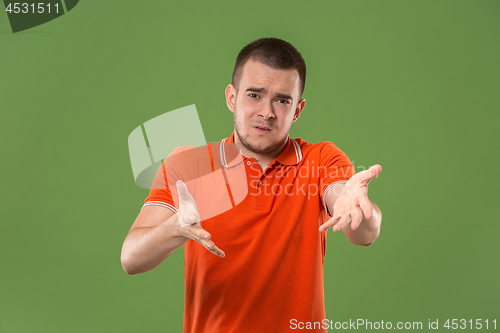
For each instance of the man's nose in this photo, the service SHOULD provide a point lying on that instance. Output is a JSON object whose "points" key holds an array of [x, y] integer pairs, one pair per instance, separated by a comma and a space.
{"points": [[267, 112]]}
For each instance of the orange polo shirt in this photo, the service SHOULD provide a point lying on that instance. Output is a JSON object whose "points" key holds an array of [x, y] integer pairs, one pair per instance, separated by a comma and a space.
{"points": [[272, 275]]}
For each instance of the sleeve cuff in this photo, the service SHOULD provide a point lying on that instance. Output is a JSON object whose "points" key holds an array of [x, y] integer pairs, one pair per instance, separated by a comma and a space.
{"points": [[159, 203], [326, 191]]}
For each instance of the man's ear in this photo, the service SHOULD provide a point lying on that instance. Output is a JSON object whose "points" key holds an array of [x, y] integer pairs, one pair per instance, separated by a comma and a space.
{"points": [[300, 106], [230, 97]]}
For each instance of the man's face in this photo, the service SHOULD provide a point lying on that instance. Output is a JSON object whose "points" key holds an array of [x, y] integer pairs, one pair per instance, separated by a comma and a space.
{"points": [[265, 105]]}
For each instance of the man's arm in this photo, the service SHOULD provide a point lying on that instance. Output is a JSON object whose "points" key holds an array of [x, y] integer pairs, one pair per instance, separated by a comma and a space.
{"points": [[157, 232], [349, 203]]}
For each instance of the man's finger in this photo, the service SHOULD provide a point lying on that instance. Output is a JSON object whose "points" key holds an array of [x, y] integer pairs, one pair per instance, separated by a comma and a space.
{"points": [[344, 220], [210, 246], [203, 237], [366, 207], [199, 233], [190, 219], [183, 190], [367, 175], [373, 171], [357, 217], [328, 224], [214, 249]]}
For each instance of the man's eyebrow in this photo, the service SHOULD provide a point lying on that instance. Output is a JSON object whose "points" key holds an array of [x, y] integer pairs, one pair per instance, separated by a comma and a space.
{"points": [[285, 96], [256, 89]]}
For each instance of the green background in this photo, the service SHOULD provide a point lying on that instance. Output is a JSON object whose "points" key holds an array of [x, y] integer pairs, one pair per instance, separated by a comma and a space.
{"points": [[412, 85]]}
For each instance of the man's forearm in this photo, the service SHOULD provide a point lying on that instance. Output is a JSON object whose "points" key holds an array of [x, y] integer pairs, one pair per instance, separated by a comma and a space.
{"points": [[368, 231], [145, 248]]}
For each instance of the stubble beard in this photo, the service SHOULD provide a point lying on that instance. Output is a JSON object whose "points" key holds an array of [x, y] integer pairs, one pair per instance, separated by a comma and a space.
{"points": [[245, 142]]}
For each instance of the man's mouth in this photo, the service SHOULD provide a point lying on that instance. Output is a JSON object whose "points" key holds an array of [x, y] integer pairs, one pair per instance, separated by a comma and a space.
{"points": [[262, 129]]}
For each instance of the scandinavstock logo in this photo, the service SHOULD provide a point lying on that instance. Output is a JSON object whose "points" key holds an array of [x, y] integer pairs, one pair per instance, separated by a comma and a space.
{"points": [[172, 147], [28, 14]]}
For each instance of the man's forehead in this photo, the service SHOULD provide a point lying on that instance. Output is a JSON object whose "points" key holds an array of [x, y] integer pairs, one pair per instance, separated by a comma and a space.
{"points": [[257, 75]]}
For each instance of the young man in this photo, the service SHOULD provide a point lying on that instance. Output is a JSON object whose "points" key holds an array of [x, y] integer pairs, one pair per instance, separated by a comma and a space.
{"points": [[267, 271]]}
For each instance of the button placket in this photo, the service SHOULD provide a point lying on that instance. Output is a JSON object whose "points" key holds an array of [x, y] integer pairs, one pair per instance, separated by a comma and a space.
{"points": [[253, 176], [265, 197]]}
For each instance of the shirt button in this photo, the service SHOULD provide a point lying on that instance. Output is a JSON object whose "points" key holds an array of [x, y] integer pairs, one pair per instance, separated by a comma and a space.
{"points": [[249, 163], [259, 182]]}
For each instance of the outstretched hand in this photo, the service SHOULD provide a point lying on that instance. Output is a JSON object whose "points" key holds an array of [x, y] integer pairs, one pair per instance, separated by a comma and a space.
{"points": [[353, 203], [189, 220]]}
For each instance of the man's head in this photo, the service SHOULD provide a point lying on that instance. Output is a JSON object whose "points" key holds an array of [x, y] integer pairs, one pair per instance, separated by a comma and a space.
{"points": [[273, 52], [265, 94]]}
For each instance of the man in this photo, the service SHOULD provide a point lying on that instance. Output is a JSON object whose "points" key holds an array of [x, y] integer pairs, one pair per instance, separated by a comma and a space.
{"points": [[267, 271]]}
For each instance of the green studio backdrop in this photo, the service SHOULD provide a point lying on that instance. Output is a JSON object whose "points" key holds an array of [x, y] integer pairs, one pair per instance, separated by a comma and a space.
{"points": [[412, 85]]}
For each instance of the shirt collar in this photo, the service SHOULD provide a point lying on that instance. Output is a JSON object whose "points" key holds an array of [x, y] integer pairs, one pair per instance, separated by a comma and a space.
{"points": [[290, 155]]}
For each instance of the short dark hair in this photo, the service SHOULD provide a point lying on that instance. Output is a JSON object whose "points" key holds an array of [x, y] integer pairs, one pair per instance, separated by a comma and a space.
{"points": [[273, 52]]}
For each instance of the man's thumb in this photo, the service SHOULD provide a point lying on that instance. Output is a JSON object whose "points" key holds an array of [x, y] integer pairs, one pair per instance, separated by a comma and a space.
{"points": [[182, 189]]}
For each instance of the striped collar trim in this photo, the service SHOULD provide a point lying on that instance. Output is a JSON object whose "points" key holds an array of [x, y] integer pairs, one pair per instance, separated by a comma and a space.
{"points": [[290, 155]]}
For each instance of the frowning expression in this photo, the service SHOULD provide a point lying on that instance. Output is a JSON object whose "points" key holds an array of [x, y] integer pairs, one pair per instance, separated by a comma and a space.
{"points": [[265, 103]]}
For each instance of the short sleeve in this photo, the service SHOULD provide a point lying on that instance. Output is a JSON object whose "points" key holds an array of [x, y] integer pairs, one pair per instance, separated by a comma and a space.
{"points": [[163, 183], [159, 194], [336, 168], [206, 181]]}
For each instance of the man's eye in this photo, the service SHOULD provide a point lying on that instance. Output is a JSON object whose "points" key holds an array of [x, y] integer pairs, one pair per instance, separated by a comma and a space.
{"points": [[283, 101], [253, 95]]}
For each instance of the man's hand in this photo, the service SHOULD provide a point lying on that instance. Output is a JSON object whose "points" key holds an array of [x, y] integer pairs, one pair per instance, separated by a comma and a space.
{"points": [[353, 203], [189, 221]]}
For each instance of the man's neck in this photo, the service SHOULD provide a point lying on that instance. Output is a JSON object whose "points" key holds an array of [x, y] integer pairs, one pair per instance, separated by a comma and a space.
{"points": [[262, 159]]}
